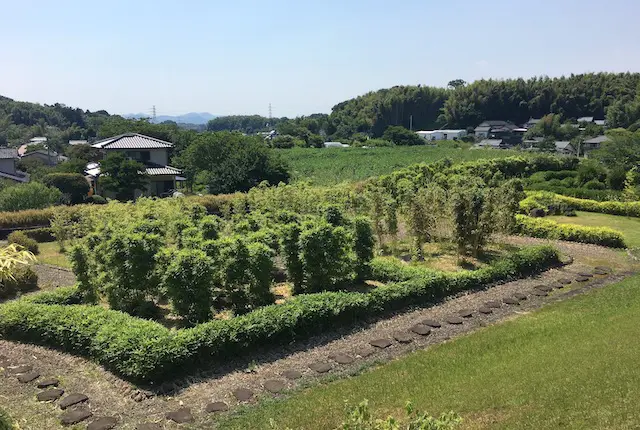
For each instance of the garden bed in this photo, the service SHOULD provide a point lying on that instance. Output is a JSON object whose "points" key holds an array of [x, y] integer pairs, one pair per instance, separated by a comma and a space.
{"points": [[145, 351]]}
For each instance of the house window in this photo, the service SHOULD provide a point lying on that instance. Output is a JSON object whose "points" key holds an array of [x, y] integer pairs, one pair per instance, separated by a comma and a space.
{"points": [[139, 155]]}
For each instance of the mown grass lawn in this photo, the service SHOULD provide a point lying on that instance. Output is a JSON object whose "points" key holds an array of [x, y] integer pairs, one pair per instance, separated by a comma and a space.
{"points": [[630, 227], [571, 365], [50, 254], [328, 166]]}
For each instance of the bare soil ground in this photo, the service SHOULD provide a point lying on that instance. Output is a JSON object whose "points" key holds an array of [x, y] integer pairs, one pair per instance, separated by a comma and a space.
{"points": [[111, 396]]}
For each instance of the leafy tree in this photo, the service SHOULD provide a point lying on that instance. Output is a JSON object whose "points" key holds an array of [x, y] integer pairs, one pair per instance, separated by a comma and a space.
{"points": [[457, 83], [401, 136], [622, 150], [227, 162], [122, 176], [73, 186]]}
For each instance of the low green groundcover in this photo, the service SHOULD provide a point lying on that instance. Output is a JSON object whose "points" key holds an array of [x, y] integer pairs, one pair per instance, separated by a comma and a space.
{"points": [[145, 351]]}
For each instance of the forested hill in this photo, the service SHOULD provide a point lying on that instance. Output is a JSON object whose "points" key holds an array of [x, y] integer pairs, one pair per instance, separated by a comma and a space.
{"points": [[467, 105], [20, 121]]}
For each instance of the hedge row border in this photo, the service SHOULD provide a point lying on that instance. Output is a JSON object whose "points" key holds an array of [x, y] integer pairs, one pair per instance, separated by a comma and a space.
{"points": [[146, 352]]}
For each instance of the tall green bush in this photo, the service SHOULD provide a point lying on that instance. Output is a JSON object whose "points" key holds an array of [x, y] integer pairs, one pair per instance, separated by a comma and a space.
{"points": [[32, 195], [73, 186], [189, 282], [325, 255], [363, 247]]}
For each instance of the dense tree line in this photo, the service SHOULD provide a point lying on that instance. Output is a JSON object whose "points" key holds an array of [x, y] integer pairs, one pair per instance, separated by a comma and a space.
{"points": [[513, 100], [517, 100]]}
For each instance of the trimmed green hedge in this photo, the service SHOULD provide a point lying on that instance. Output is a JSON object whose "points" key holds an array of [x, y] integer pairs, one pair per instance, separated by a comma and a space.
{"points": [[145, 351], [541, 199], [40, 235], [58, 296], [548, 229]]}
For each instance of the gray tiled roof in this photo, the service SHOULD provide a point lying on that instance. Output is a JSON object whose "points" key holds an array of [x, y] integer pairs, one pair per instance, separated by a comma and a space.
{"points": [[166, 170], [563, 144], [131, 141], [598, 139], [8, 153]]}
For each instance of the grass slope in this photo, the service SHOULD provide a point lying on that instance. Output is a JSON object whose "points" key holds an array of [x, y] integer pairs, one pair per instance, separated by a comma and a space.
{"points": [[630, 227], [50, 254], [328, 166], [572, 365]]}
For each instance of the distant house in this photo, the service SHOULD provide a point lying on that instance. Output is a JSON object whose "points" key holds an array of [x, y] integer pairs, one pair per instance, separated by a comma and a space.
{"points": [[432, 135], [153, 153], [492, 144], [594, 143], [585, 119], [335, 145], [565, 147], [486, 128], [37, 140], [8, 170], [78, 142], [49, 158], [600, 122], [531, 123]]}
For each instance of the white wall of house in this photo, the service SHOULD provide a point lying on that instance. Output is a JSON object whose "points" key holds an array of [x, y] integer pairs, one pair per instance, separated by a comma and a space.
{"points": [[8, 165], [158, 156], [442, 134]]}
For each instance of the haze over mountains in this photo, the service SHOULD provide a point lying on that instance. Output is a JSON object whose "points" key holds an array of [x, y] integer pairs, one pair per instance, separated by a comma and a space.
{"points": [[200, 118]]}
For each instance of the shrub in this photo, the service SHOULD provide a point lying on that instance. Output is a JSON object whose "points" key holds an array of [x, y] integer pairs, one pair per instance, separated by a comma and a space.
{"points": [[23, 280], [324, 252], [363, 247], [210, 227], [291, 254], [20, 238], [72, 185], [26, 218], [40, 235], [145, 351], [32, 195], [545, 199], [245, 273], [548, 229], [594, 184], [96, 200], [189, 282], [59, 296], [616, 178]]}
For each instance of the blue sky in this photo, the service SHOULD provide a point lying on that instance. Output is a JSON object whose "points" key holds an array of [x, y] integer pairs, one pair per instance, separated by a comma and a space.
{"points": [[236, 57]]}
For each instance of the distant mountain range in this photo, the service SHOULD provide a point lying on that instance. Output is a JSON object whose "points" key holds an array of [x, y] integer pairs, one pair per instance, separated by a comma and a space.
{"points": [[199, 118]]}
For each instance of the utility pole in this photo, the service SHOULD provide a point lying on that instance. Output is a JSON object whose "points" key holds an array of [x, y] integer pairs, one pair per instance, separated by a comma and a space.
{"points": [[411, 122]]}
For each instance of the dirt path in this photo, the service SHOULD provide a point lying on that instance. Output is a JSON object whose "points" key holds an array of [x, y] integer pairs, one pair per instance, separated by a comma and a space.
{"points": [[332, 355], [52, 276]]}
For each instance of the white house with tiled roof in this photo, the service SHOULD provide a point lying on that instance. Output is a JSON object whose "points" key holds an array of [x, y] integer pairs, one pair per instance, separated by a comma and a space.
{"points": [[152, 152]]}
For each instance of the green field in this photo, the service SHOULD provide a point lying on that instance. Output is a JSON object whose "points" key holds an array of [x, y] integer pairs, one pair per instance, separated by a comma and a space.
{"points": [[50, 254], [571, 365], [328, 166], [630, 227]]}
